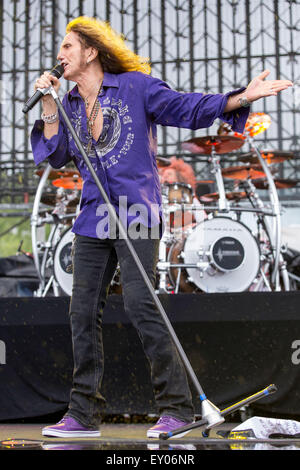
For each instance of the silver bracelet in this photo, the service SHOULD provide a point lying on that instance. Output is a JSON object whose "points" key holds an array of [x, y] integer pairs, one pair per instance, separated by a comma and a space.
{"points": [[50, 118]]}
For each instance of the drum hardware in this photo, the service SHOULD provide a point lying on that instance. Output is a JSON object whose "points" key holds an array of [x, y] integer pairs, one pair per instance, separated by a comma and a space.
{"points": [[250, 187], [63, 213], [275, 234], [264, 280], [34, 223], [257, 123], [226, 129], [294, 277], [214, 146], [216, 170]]}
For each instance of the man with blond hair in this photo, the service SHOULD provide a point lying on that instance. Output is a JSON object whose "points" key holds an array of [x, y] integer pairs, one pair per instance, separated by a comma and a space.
{"points": [[115, 107]]}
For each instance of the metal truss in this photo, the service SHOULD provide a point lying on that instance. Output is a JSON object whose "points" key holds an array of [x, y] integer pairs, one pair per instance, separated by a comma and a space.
{"points": [[194, 45]]}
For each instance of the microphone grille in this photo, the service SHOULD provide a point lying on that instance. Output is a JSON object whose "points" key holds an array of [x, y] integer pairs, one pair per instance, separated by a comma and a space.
{"points": [[57, 71]]}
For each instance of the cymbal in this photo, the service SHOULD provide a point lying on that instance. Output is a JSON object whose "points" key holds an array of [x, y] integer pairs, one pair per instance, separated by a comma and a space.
{"points": [[162, 162], [219, 143], [276, 156], [271, 156], [243, 172], [257, 123], [280, 183], [68, 183], [231, 196], [54, 174]]}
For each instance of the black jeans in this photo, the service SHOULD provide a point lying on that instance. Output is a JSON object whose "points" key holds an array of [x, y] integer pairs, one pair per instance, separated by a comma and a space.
{"points": [[94, 264]]}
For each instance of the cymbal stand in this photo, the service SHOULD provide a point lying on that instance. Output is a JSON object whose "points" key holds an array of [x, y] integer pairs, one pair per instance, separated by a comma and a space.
{"points": [[259, 205], [42, 251], [276, 233], [162, 264], [216, 170], [35, 220]]}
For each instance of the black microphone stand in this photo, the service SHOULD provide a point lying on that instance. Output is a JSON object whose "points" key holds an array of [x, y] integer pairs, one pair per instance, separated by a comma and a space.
{"points": [[211, 415]]}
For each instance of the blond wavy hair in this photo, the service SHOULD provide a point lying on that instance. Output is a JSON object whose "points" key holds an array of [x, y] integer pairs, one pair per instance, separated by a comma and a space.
{"points": [[114, 55]]}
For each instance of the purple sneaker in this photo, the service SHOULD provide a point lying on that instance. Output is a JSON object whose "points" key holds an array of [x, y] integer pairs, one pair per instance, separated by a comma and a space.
{"points": [[167, 424], [68, 427]]}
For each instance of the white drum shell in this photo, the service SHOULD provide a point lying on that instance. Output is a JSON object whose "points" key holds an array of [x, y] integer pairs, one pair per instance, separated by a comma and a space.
{"points": [[198, 246], [62, 259]]}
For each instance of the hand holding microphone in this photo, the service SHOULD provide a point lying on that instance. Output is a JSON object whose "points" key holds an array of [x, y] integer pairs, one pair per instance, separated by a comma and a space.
{"points": [[42, 86], [46, 81]]}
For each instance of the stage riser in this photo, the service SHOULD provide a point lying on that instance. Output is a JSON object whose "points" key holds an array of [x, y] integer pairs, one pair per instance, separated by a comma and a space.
{"points": [[237, 345]]}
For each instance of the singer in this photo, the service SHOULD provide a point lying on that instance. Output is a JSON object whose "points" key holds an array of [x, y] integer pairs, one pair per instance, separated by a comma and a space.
{"points": [[115, 107]]}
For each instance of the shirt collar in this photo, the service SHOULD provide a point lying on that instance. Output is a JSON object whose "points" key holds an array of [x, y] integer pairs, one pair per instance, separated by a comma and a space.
{"points": [[109, 80]]}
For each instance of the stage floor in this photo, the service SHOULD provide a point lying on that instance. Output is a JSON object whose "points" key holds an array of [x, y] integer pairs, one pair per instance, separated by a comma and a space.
{"points": [[132, 437]]}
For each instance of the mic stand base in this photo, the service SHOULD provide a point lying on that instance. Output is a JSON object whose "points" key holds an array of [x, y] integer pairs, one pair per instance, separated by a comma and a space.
{"points": [[206, 420]]}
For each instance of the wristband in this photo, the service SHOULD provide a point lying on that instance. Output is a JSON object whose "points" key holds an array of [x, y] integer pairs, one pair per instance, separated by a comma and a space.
{"points": [[50, 118], [244, 103]]}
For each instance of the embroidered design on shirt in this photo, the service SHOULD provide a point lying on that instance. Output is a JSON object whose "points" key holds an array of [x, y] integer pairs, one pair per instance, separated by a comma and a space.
{"points": [[110, 133], [116, 128]]}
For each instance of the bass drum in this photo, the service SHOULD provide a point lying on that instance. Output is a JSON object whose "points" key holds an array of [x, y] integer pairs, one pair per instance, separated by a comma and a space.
{"points": [[63, 266], [225, 254], [63, 262]]}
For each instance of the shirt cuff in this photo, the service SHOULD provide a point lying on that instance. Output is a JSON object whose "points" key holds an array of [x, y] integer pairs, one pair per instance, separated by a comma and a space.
{"points": [[42, 147]]}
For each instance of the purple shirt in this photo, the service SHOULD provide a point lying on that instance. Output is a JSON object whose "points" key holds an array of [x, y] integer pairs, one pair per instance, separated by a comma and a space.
{"points": [[124, 157]]}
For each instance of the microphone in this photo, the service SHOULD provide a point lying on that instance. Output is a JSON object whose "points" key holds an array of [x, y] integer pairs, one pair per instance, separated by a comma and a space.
{"points": [[57, 71]]}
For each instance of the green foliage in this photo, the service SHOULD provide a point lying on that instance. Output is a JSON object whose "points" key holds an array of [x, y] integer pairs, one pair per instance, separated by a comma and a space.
{"points": [[11, 240]]}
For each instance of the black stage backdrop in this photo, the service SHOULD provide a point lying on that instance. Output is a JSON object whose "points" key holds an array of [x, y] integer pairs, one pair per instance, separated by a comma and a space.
{"points": [[237, 344]]}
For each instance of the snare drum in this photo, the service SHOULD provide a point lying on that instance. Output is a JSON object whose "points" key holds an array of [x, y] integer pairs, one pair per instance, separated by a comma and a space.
{"points": [[176, 195], [179, 193], [220, 254]]}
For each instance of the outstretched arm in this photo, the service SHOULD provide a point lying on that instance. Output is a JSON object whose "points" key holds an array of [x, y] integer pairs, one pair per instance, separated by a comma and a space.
{"points": [[258, 88]]}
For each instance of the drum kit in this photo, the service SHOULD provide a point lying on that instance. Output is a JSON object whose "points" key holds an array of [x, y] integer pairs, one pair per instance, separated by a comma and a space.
{"points": [[206, 247], [216, 251]]}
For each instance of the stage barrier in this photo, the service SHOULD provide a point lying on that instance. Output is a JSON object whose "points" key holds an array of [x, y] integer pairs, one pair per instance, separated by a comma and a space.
{"points": [[237, 344]]}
